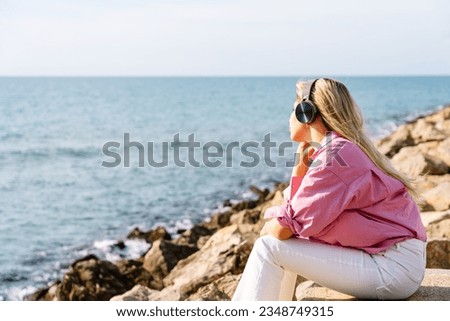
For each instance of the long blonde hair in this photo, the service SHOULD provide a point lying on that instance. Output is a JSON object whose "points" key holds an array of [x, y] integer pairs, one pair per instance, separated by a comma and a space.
{"points": [[341, 114]]}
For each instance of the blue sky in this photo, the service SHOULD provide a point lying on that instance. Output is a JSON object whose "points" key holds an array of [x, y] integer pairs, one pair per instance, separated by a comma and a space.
{"points": [[225, 38]]}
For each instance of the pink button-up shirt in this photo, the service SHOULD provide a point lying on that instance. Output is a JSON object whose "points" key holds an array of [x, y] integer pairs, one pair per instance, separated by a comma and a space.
{"points": [[346, 200]]}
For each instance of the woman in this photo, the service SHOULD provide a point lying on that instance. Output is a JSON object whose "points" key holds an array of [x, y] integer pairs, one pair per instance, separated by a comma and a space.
{"points": [[349, 221]]}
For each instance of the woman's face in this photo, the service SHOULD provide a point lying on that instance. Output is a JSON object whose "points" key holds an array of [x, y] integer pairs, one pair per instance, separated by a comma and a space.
{"points": [[297, 129]]}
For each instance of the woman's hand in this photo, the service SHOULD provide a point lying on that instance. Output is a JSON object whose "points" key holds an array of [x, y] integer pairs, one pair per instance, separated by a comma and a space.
{"points": [[273, 228], [302, 157]]}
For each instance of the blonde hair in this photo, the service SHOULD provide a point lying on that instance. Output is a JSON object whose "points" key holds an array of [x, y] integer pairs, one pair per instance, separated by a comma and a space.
{"points": [[341, 114]]}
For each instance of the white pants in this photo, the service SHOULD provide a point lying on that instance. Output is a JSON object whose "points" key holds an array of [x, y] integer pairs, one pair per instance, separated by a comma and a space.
{"points": [[273, 265]]}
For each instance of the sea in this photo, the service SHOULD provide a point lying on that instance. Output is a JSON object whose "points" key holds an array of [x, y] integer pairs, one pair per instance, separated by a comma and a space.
{"points": [[83, 161]]}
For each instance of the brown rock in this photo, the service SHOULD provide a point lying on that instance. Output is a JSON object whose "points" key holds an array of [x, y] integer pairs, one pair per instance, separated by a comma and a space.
{"points": [[137, 293], [246, 217], [226, 251], [218, 220], [439, 230], [424, 130], [159, 233], [443, 150], [438, 253], [246, 204], [413, 163], [209, 292], [135, 272], [45, 294], [311, 291], [196, 236], [391, 144], [434, 217], [162, 258], [92, 279], [142, 293], [435, 287], [438, 197], [259, 192]]}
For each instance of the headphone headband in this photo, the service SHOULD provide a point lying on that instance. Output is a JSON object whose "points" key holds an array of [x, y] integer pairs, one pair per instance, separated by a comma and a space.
{"points": [[307, 88]]}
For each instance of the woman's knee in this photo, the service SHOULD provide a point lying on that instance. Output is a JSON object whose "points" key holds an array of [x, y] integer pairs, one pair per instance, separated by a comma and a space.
{"points": [[265, 244]]}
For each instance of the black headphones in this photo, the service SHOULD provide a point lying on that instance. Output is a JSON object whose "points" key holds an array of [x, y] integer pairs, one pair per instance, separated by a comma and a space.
{"points": [[306, 111]]}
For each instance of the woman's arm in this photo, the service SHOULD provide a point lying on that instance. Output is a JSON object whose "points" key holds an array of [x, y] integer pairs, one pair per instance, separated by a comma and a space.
{"points": [[302, 157], [273, 228]]}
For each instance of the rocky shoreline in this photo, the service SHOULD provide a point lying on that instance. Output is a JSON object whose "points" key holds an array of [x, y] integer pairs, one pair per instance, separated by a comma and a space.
{"points": [[206, 261]]}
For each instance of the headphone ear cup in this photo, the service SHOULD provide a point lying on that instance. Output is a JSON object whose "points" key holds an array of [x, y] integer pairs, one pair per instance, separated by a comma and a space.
{"points": [[306, 112]]}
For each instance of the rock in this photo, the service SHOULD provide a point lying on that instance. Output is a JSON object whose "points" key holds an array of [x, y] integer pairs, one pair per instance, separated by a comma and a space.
{"points": [[391, 144], [46, 294], [218, 220], [209, 292], [413, 163], [434, 217], [246, 204], [439, 230], [443, 150], [311, 291], [260, 193], [159, 233], [425, 130], [119, 245], [246, 217], [438, 253], [436, 149], [438, 197], [226, 251], [135, 272], [219, 290], [435, 287], [162, 258], [137, 293], [92, 279], [427, 182], [196, 236], [142, 293]]}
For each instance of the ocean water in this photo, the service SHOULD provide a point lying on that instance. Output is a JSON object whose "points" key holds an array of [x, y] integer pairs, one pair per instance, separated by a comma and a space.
{"points": [[58, 203]]}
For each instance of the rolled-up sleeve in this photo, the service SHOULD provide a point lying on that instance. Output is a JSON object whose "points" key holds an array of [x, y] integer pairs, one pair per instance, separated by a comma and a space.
{"points": [[320, 199]]}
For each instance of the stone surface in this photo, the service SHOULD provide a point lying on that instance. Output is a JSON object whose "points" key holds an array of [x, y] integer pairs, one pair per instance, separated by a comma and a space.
{"points": [[137, 293], [163, 257], [391, 144], [92, 279], [439, 197], [435, 287], [196, 236], [440, 229], [429, 218], [438, 253], [159, 233], [226, 251], [412, 162]]}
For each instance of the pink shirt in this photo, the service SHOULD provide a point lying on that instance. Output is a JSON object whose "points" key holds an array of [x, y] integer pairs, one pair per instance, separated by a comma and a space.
{"points": [[346, 200]]}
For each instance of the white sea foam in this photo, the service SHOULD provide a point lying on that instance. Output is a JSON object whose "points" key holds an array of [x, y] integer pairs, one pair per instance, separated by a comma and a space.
{"points": [[17, 294], [136, 248], [109, 250]]}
